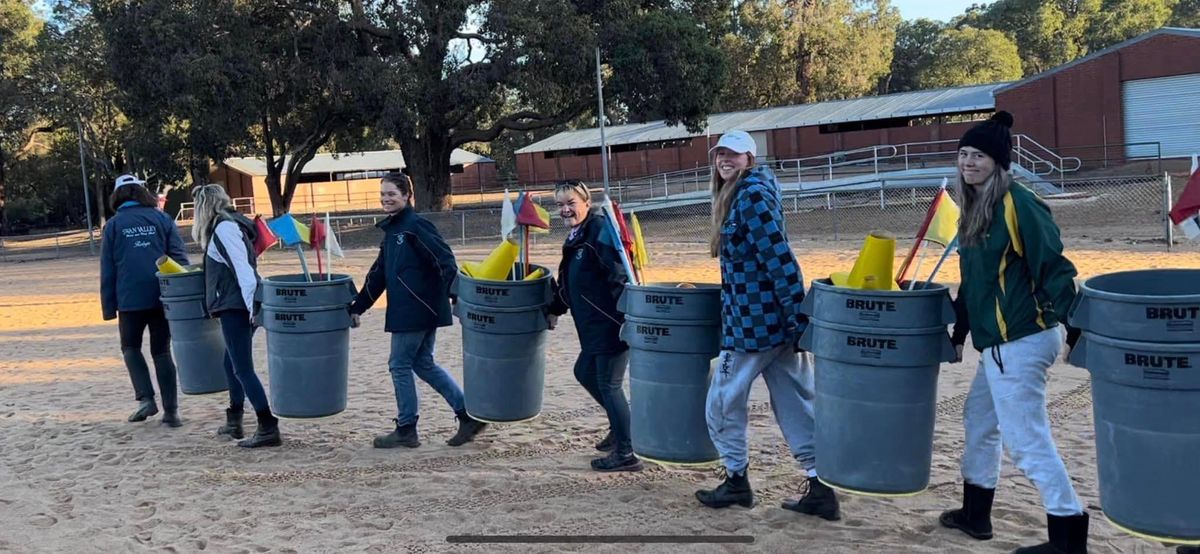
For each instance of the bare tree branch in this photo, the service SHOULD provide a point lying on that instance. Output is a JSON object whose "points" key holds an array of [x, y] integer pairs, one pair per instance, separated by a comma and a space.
{"points": [[476, 36], [525, 120], [360, 23]]}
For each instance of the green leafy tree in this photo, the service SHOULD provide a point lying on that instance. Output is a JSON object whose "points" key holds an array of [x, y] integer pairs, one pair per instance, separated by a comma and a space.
{"points": [[970, 56], [276, 79], [456, 72], [19, 29], [912, 54], [1120, 20], [1186, 14]]}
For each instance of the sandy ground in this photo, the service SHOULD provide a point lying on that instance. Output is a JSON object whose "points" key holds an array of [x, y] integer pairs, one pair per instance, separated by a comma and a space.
{"points": [[74, 476]]}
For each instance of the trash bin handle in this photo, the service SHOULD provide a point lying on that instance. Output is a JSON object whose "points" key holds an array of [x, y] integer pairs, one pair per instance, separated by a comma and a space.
{"points": [[1077, 316], [1078, 355], [806, 338], [948, 315], [949, 352], [806, 305]]}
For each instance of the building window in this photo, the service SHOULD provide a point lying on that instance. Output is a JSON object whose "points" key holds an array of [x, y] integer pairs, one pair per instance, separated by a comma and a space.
{"points": [[896, 122], [618, 148]]}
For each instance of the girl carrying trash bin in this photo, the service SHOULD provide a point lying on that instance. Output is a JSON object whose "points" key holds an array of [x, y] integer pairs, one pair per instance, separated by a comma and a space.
{"points": [[231, 280], [1016, 289], [590, 280], [132, 242], [416, 269], [761, 290]]}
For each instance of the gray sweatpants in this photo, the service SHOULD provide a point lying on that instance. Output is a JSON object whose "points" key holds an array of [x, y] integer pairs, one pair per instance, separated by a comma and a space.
{"points": [[789, 378], [1007, 402]]}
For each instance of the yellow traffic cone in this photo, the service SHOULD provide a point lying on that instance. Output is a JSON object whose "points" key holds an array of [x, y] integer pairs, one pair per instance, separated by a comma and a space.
{"points": [[498, 264], [167, 265], [873, 268], [537, 274]]}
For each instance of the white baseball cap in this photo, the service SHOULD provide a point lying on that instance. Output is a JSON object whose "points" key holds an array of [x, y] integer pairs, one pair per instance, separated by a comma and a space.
{"points": [[739, 142], [127, 179]]}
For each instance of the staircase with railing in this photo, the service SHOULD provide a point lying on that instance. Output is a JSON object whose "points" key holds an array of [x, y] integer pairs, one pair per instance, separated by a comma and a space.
{"points": [[850, 169]]}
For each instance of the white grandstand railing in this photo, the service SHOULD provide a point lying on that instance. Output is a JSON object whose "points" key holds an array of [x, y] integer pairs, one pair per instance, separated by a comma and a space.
{"points": [[885, 158]]}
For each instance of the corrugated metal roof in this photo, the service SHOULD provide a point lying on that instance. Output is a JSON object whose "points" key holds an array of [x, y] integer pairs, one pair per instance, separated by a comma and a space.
{"points": [[350, 162], [904, 104], [1178, 31]]}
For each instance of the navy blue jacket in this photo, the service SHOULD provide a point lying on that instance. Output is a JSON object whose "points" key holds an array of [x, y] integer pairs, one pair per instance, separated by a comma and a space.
{"points": [[131, 243], [590, 280], [417, 270]]}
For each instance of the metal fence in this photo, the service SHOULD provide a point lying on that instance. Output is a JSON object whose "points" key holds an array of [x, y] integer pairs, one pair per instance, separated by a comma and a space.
{"points": [[1121, 209], [1128, 208], [43, 246]]}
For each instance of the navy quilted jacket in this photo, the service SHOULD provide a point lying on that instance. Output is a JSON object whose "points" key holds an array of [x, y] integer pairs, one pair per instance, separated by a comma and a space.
{"points": [[761, 282]]}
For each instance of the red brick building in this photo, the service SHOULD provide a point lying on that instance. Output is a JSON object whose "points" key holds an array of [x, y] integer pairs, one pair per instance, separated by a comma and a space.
{"points": [[1145, 90]]}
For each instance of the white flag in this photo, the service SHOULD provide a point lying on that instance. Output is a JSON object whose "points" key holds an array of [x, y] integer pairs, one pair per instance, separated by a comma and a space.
{"points": [[331, 241], [508, 218]]}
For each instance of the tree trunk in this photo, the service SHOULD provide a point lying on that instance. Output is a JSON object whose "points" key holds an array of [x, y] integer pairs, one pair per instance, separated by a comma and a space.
{"points": [[99, 198], [428, 162], [3, 200], [275, 190], [289, 190]]}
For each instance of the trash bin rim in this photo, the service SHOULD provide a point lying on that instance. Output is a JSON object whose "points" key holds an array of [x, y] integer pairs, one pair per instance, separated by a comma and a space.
{"points": [[863, 329], [493, 309], [1167, 347], [674, 322], [190, 298], [699, 288], [934, 289], [1088, 288], [304, 309], [338, 279], [536, 282]]}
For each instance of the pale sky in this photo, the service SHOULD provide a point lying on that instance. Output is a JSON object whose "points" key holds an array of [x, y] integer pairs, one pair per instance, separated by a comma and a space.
{"points": [[941, 10]]}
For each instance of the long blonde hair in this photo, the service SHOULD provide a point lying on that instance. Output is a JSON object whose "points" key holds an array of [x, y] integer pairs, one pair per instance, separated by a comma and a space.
{"points": [[722, 201], [210, 200], [978, 205]]}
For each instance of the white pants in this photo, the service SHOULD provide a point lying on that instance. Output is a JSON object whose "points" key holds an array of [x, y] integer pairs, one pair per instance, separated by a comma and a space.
{"points": [[1008, 402], [789, 378]]}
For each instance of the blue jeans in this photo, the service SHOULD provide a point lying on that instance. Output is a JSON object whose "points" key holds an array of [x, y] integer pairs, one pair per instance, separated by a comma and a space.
{"points": [[602, 375], [239, 361], [1007, 405], [789, 379], [412, 352]]}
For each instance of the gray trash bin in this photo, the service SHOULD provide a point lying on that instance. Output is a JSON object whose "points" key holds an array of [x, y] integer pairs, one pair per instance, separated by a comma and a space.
{"points": [[673, 334], [504, 346], [197, 344], [175, 285], [1141, 345], [308, 343], [877, 355]]}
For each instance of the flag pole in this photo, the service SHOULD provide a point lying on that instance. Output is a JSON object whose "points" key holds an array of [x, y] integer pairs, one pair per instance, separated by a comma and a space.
{"points": [[606, 205], [303, 262], [945, 254], [917, 270], [317, 248], [328, 249]]}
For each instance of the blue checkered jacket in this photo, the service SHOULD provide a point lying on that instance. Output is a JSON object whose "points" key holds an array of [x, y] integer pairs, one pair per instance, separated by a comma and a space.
{"points": [[761, 282]]}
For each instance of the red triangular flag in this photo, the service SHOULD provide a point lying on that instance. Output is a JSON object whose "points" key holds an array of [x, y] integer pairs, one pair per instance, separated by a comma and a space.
{"points": [[1189, 202], [530, 214], [265, 238], [626, 237], [901, 275], [316, 233]]}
